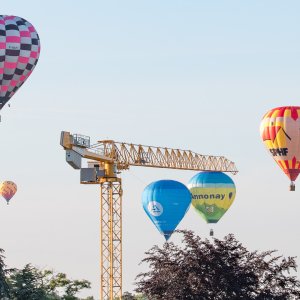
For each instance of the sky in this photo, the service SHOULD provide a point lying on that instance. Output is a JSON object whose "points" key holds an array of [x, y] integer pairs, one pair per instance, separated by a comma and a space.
{"points": [[195, 75]]}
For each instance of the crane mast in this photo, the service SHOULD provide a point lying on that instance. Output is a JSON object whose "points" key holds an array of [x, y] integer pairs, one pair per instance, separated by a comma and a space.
{"points": [[108, 159]]}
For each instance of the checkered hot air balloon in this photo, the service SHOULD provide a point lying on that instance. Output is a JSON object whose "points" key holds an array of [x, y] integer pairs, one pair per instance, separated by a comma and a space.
{"points": [[280, 133], [8, 190], [19, 54]]}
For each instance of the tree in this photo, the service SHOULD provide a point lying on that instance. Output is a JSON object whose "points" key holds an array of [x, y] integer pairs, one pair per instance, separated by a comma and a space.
{"points": [[27, 284], [216, 270], [130, 296], [70, 287], [34, 284], [4, 287]]}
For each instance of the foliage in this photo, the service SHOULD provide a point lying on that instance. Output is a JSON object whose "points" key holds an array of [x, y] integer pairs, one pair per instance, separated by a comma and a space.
{"points": [[27, 283], [129, 296], [32, 283], [4, 287], [216, 270]]}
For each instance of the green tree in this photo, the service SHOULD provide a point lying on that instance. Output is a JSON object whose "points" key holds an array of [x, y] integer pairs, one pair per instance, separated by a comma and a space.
{"points": [[34, 284], [29, 283], [130, 296], [216, 270], [140, 297], [4, 272], [70, 287]]}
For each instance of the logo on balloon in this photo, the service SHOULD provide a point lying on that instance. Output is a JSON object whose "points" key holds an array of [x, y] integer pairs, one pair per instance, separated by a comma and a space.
{"points": [[210, 209], [155, 208]]}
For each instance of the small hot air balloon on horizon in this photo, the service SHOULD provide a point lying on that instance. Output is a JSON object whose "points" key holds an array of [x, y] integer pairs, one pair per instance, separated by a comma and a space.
{"points": [[212, 195], [8, 190], [19, 54], [280, 133], [166, 202]]}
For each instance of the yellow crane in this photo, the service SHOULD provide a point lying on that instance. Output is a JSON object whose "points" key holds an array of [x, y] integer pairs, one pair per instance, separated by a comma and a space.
{"points": [[108, 159]]}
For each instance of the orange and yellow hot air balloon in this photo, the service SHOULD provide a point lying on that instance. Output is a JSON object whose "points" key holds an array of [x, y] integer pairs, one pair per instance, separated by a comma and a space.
{"points": [[8, 190], [280, 132]]}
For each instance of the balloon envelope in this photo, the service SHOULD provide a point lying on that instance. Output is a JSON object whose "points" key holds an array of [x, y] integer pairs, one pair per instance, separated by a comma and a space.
{"points": [[212, 194], [280, 133], [166, 202], [8, 190], [19, 53]]}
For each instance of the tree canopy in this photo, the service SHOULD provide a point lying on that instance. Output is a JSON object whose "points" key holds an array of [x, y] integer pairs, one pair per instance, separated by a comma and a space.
{"points": [[130, 296], [34, 284], [216, 270], [4, 272]]}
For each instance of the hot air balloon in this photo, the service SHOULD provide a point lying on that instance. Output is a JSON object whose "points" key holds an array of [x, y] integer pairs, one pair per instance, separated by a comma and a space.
{"points": [[166, 202], [19, 53], [280, 132], [8, 190], [212, 195]]}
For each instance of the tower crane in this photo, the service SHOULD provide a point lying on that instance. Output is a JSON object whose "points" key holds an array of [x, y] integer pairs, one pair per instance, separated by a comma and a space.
{"points": [[107, 159]]}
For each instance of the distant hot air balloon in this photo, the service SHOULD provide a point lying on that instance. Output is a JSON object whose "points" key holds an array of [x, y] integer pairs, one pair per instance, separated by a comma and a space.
{"points": [[212, 195], [19, 53], [8, 190], [280, 132], [166, 202]]}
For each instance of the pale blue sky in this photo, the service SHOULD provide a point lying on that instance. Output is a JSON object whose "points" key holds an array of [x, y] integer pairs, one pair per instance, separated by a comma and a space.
{"points": [[195, 75]]}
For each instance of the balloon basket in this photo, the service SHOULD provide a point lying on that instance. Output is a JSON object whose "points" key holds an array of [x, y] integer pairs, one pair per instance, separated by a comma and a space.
{"points": [[292, 186], [211, 232]]}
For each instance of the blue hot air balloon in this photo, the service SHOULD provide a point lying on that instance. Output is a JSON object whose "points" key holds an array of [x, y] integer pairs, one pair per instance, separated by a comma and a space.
{"points": [[166, 202]]}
